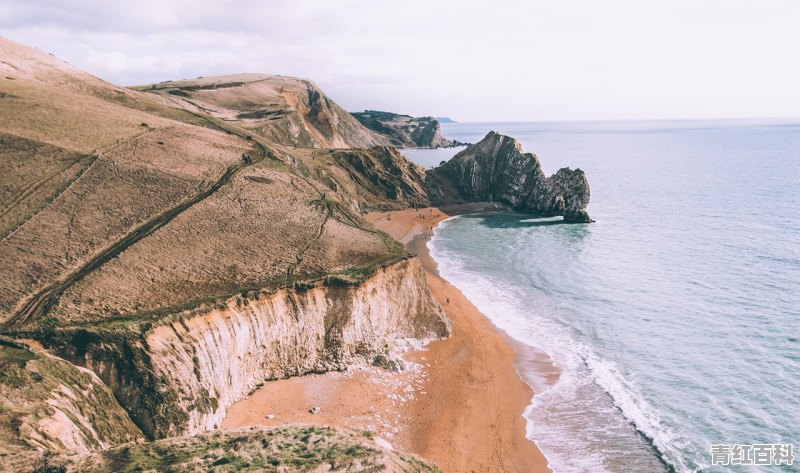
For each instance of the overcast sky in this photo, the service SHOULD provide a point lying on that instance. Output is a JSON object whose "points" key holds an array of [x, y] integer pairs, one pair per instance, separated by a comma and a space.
{"points": [[471, 60]]}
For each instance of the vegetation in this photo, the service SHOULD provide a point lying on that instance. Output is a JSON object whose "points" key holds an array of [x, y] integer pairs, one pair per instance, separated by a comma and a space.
{"points": [[286, 449], [46, 464]]}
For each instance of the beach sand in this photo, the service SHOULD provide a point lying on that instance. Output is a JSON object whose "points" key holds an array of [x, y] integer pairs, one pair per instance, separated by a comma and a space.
{"points": [[460, 401]]}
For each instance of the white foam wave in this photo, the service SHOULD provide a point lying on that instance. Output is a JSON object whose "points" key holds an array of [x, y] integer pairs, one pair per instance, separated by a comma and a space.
{"points": [[511, 309], [634, 407]]}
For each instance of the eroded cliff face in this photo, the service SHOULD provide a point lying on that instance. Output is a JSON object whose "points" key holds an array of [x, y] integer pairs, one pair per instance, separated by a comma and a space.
{"points": [[496, 170], [181, 376], [47, 403], [314, 120]]}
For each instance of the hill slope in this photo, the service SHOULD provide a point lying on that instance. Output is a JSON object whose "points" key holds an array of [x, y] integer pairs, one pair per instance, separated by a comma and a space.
{"points": [[168, 249], [285, 110], [48, 403], [137, 226]]}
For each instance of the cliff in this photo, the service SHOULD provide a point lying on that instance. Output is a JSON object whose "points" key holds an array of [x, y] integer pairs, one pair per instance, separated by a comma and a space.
{"points": [[496, 170], [180, 376], [405, 131]]}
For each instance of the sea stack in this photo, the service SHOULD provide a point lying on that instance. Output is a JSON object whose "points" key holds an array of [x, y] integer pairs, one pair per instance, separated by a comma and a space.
{"points": [[496, 170]]}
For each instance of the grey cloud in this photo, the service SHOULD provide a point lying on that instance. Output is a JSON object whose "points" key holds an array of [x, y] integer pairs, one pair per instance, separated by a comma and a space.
{"points": [[504, 59]]}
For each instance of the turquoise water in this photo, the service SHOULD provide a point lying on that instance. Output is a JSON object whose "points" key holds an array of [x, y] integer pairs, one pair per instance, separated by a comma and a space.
{"points": [[675, 318]]}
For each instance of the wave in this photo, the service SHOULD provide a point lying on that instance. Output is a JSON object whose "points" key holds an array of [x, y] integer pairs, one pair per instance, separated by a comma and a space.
{"points": [[645, 420], [592, 398]]}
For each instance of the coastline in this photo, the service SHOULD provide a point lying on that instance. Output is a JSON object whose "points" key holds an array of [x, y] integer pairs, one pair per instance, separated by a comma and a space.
{"points": [[459, 403], [490, 396]]}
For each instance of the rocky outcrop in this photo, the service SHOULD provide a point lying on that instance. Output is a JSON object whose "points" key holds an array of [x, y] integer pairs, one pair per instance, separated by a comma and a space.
{"points": [[496, 170], [405, 131], [384, 179], [180, 376]]}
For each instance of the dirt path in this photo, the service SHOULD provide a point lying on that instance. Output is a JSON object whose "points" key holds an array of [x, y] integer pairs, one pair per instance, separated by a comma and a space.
{"points": [[38, 305], [33, 187], [302, 252]]}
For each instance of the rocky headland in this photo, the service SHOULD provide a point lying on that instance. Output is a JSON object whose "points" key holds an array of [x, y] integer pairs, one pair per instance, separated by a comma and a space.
{"points": [[405, 131], [496, 170]]}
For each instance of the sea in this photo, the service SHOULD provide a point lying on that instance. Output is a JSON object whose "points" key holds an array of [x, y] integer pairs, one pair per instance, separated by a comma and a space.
{"points": [[675, 317]]}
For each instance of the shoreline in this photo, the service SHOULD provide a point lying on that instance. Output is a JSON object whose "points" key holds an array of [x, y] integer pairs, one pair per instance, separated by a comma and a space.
{"points": [[510, 355], [459, 403]]}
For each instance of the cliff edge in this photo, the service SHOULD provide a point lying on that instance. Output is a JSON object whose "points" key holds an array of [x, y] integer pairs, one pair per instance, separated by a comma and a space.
{"points": [[496, 170]]}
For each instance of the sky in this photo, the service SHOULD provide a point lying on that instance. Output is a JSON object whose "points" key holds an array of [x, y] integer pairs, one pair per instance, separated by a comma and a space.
{"points": [[494, 60]]}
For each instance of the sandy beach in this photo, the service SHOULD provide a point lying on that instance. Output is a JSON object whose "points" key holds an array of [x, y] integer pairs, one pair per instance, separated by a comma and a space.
{"points": [[459, 402]]}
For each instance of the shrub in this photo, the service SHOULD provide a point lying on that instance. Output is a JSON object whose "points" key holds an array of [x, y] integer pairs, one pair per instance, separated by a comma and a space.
{"points": [[46, 465]]}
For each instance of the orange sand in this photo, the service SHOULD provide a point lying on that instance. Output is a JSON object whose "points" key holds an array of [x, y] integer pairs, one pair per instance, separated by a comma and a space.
{"points": [[459, 403]]}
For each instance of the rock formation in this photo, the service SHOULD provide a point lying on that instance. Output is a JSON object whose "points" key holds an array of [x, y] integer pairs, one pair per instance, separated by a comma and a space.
{"points": [[496, 170], [405, 131]]}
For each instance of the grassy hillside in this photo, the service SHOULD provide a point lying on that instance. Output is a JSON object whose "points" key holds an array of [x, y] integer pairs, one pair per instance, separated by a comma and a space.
{"points": [[122, 210], [285, 110], [117, 203]]}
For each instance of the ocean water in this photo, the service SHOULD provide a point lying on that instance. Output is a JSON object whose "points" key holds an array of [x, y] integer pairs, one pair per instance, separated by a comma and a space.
{"points": [[675, 318]]}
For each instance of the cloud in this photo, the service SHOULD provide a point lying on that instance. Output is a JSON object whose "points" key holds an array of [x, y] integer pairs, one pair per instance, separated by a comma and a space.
{"points": [[504, 59]]}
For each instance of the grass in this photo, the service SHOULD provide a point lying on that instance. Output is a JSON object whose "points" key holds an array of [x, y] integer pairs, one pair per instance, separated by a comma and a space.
{"points": [[290, 448]]}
